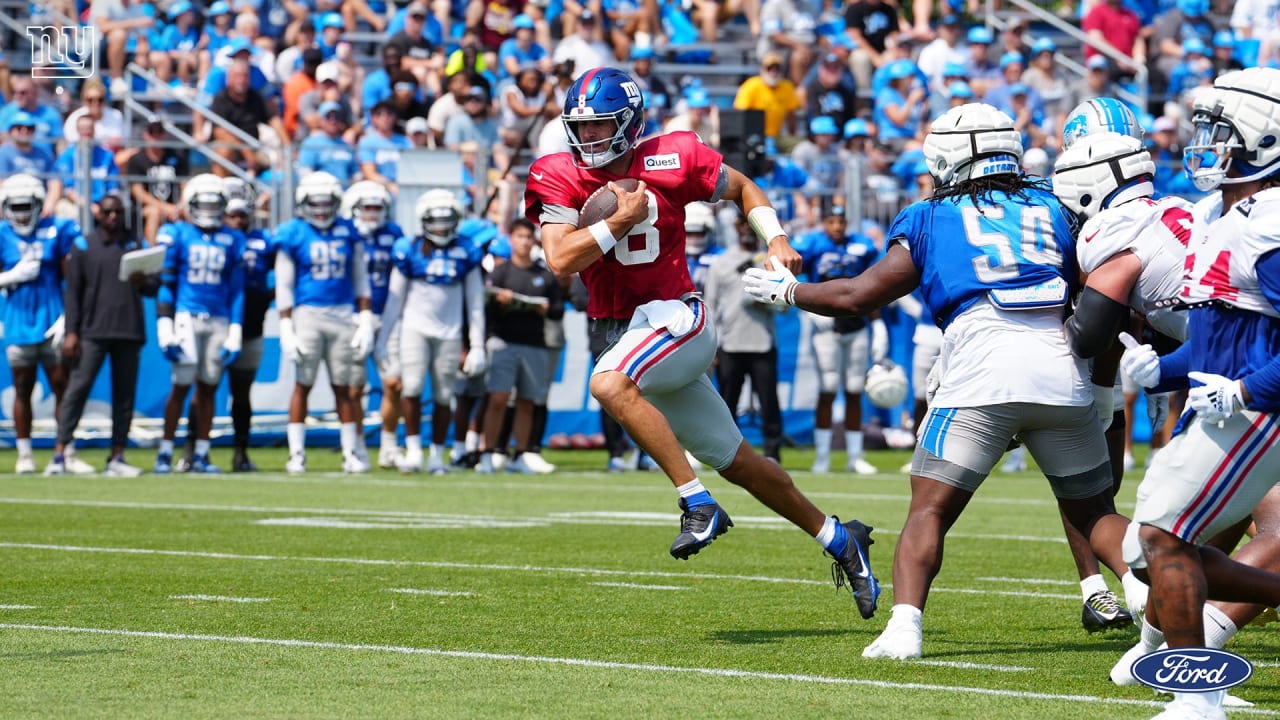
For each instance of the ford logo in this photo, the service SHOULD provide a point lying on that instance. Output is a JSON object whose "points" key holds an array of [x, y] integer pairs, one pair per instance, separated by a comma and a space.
{"points": [[1193, 669]]}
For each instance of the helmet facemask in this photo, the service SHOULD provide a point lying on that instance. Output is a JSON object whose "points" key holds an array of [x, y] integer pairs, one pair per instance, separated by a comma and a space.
{"points": [[207, 209], [369, 214], [440, 225], [599, 153], [23, 213], [320, 210]]}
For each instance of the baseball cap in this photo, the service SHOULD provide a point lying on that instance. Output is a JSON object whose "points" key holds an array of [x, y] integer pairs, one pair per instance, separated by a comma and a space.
{"points": [[417, 8], [950, 19], [478, 91], [1194, 45], [1010, 58], [587, 17], [1164, 123], [329, 106], [899, 69], [954, 69], [22, 118], [1018, 89], [180, 7], [959, 89], [1224, 38], [773, 57], [330, 20], [980, 36], [1044, 45], [697, 97], [832, 59], [415, 125], [523, 21], [641, 52], [1098, 62], [238, 45], [834, 210], [857, 127], [218, 8], [823, 125], [328, 71]]}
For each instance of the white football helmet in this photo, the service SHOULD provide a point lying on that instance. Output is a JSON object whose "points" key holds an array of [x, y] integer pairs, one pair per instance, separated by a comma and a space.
{"points": [[240, 195], [970, 141], [701, 222], [368, 204], [440, 212], [886, 384], [205, 201], [1101, 171], [317, 198], [1237, 125], [1035, 161], [23, 198], [1099, 115]]}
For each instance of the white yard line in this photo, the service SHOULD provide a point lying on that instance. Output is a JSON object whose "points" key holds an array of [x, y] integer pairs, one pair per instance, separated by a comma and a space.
{"points": [[606, 665], [435, 593], [1028, 581], [640, 586], [220, 598], [19, 607]]}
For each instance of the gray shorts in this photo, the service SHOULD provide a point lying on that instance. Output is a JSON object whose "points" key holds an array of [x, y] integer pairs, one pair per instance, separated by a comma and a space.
{"points": [[419, 355], [250, 356], [842, 360], [324, 334], [29, 355], [522, 368], [960, 446], [209, 333], [470, 387], [388, 368]]}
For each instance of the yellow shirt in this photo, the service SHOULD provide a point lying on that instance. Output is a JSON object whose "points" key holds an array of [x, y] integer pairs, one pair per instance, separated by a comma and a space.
{"points": [[777, 102]]}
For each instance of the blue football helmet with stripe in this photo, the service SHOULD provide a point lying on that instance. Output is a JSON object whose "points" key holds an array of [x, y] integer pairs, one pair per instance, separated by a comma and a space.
{"points": [[603, 93], [1099, 115]]}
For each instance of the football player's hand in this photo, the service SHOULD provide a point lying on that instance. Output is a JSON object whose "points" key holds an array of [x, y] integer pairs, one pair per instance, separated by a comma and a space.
{"points": [[475, 363], [362, 340], [1104, 401], [57, 332], [170, 346], [1140, 362], [633, 207], [1157, 410], [288, 341], [879, 340], [231, 346], [25, 271], [775, 285], [1216, 398], [780, 249]]}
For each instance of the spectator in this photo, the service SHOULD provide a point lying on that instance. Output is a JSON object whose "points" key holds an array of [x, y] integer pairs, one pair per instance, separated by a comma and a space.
{"points": [[582, 47], [1011, 68], [326, 150], [245, 109], [124, 24], [247, 28], [952, 73], [1224, 47], [21, 154], [776, 96], [1014, 39], [831, 91], [103, 319], [658, 97], [1194, 70], [1166, 153], [857, 134], [302, 82], [179, 46], [631, 24], [869, 22], [418, 53], [699, 117], [330, 27], [156, 194], [747, 338], [896, 47], [789, 30], [470, 58], [447, 105], [379, 149], [66, 194], [935, 56], [709, 14], [898, 107], [959, 93], [376, 13], [1027, 120], [1098, 79], [823, 160], [1254, 19], [327, 90], [476, 124], [294, 58], [522, 103], [404, 98], [217, 31], [1187, 19], [1111, 22], [108, 121], [982, 73], [522, 50], [26, 99], [419, 133], [1058, 95], [377, 84], [494, 20]]}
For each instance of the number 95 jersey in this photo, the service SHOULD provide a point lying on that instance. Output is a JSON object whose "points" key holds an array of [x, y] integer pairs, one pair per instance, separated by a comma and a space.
{"points": [[322, 261], [648, 264]]}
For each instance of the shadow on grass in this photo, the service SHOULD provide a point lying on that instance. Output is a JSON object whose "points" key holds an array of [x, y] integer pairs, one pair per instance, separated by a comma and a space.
{"points": [[57, 654], [762, 637]]}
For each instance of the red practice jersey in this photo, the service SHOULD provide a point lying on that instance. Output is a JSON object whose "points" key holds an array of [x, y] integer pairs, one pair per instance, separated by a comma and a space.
{"points": [[649, 264]]}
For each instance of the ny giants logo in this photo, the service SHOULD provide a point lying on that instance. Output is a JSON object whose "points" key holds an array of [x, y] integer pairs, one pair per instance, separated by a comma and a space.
{"points": [[1193, 669], [63, 52]]}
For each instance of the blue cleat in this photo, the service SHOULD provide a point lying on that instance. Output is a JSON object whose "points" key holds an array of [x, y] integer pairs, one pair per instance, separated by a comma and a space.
{"points": [[164, 464], [200, 464], [852, 568], [698, 527]]}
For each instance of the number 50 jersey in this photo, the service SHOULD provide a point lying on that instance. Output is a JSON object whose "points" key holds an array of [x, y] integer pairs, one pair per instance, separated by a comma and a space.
{"points": [[648, 264]]}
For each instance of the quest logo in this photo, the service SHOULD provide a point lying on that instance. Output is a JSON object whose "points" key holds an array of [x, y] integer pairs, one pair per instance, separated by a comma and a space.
{"points": [[670, 161], [1193, 669]]}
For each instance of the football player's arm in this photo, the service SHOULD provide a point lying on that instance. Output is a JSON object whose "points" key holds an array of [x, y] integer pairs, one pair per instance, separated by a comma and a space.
{"points": [[891, 278], [237, 286], [569, 248], [761, 216], [360, 279], [473, 292], [286, 277], [1103, 310], [167, 295], [1260, 390]]}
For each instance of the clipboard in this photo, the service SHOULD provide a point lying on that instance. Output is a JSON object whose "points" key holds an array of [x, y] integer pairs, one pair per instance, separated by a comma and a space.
{"points": [[148, 261]]}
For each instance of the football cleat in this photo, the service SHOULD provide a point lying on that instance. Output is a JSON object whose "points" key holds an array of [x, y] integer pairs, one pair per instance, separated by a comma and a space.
{"points": [[410, 462], [531, 463], [1121, 672], [1102, 611], [200, 464], [241, 463], [1017, 461], [498, 460], [821, 465], [353, 464], [1266, 617], [485, 466], [57, 466], [297, 464], [467, 460], [698, 527], [76, 466], [388, 457], [164, 464], [435, 465], [852, 568], [899, 641], [117, 467], [26, 465], [1184, 708], [860, 466], [183, 464], [617, 464]]}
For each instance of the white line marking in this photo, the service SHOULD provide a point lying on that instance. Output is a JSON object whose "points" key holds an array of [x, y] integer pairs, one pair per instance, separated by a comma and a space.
{"points": [[640, 586], [503, 568], [19, 607], [220, 598], [603, 665], [972, 666], [437, 593], [1028, 581]]}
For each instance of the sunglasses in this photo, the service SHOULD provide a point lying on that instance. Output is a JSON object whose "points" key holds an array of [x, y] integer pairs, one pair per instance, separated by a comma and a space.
{"points": [[24, 128], [773, 68], [111, 211], [93, 99], [418, 16]]}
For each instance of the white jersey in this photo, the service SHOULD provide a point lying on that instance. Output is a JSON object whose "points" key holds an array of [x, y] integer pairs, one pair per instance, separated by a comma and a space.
{"points": [[436, 310], [1157, 233], [1222, 258]]}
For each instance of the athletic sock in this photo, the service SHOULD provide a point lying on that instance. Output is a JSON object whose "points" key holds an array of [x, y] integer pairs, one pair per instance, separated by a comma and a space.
{"points": [[833, 536], [822, 443], [1091, 585], [297, 434], [694, 495]]}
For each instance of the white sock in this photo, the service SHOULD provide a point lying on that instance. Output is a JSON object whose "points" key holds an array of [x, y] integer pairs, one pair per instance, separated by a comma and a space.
{"points": [[388, 440], [906, 614], [473, 441], [361, 447], [297, 434], [202, 448], [24, 448], [413, 444], [691, 488], [459, 448], [827, 533], [1135, 592], [436, 451], [822, 442], [1092, 584], [853, 444], [166, 447], [347, 437], [1151, 637], [1218, 628]]}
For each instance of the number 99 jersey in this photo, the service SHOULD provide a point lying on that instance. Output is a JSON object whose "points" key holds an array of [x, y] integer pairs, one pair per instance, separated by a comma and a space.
{"points": [[649, 264], [322, 261]]}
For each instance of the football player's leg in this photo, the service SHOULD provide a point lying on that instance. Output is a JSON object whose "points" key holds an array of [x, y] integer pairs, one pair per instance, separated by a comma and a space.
{"points": [[764, 381], [826, 357], [22, 364], [415, 354], [57, 369], [854, 358], [445, 369], [311, 349], [1262, 551], [389, 371], [344, 366], [182, 376], [243, 372]]}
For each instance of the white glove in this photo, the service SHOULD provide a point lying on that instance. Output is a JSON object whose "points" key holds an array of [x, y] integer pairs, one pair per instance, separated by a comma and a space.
{"points": [[288, 341], [362, 340], [57, 332], [879, 340], [1216, 398], [1157, 410], [1104, 401], [1140, 362], [25, 271], [232, 345], [168, 340], [475, 364], [776, 286]]}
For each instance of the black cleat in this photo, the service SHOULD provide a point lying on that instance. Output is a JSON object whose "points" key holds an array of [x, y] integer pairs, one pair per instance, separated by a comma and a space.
{"points": [[853, 568], [1102, 611], [240, 462], [698, 527]]}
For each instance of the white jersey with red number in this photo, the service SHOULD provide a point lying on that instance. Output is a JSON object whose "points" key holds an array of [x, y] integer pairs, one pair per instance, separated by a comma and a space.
{"points": [[1222, 257], [1157, 233], [648, 264]]}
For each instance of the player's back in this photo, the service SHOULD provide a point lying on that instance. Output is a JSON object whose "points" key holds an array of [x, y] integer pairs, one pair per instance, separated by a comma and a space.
{"points": [[322, 261], [32, 307]]}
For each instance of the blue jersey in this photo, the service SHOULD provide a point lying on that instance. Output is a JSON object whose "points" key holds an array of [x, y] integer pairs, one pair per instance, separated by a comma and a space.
{"points": [[329, 154], [827, 259], [1016, 251], [420, 259], [32, 307], [322, 261], [383, 152], [377, 251], [259, 259], [37, 161], [203, 270], [700, 265]]}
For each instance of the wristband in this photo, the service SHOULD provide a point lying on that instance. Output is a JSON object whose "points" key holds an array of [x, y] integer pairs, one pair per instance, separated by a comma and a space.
{"points": [[764, 220], [603, 235]]}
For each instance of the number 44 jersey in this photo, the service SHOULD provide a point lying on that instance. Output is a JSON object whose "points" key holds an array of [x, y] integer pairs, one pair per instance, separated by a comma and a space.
{"points": [[648, 264]]}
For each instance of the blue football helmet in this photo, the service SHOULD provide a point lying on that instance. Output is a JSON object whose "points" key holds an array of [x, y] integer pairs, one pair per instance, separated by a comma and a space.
{"points": [[1100, 115], [604, 93]]}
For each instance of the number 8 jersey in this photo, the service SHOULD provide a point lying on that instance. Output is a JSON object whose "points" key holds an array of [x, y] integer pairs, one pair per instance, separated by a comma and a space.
{"points": [[649, 264]]}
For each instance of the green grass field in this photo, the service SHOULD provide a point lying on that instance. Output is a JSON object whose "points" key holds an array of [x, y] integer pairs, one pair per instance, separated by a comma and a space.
{"points": [[469, 596]]}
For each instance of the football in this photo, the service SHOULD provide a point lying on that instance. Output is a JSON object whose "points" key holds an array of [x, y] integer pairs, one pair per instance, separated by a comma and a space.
{"points": [[603, 202]]}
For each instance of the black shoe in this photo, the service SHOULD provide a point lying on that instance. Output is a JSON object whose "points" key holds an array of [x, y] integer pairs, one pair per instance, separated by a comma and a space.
{"points": [[184, 464], [241, 463], [853, 568], [468, 460], [698, 527], [1102, 611]]}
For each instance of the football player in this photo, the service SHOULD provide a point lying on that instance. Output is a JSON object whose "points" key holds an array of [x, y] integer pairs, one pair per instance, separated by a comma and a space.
{"points": [[643, 306], [994, 255], [321, 278], [841, 346], [1100, 114], [198, 312], [436, 285], [32, 251], [259, 259], [368, 205]]}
